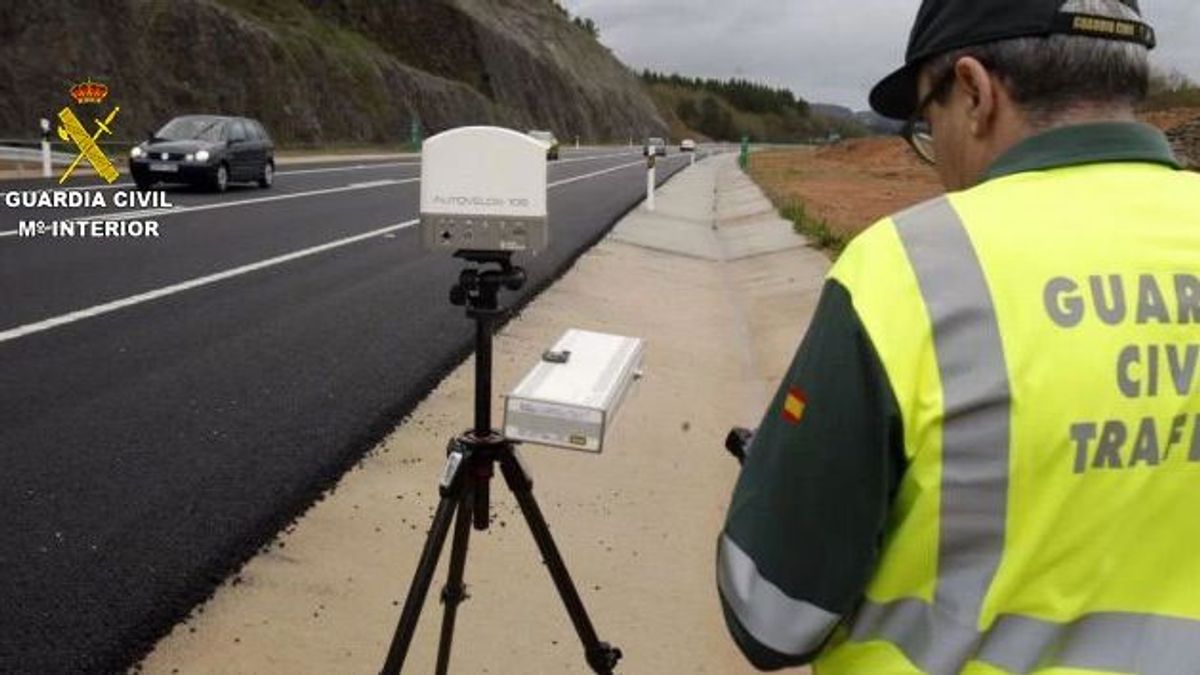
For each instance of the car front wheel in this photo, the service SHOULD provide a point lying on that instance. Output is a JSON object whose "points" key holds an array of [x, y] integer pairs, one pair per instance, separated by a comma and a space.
{"points": [[267, 179], [220, 178]]}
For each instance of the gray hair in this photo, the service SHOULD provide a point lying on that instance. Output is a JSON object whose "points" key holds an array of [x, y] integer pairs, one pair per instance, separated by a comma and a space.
{"points": [[1050, 76]]}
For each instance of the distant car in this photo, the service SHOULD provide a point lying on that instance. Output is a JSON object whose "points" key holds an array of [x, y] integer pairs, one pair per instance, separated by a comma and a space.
{"points": [[548, 138], [656, 146], [208, 150], [688, 145]]}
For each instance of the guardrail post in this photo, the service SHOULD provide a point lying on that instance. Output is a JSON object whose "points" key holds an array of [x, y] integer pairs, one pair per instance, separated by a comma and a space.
{"points": [[650, 181], [45, 125]]}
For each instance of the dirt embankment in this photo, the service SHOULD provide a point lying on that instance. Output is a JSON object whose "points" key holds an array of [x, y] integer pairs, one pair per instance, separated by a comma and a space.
{"points": [[852, 184], [849, 185]]}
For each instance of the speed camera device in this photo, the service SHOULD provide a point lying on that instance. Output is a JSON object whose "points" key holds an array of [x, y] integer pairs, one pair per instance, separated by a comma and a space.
{"points": [[571, 397], [483, 189]]}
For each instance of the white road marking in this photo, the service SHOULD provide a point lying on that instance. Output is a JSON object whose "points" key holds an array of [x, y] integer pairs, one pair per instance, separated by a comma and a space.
{"points": [[74, 188], [601, 172], [590, 157], [355, 167], [145, 213], [328, 169], [97, 310], [378, 183], [157, 293], [363, 167]]}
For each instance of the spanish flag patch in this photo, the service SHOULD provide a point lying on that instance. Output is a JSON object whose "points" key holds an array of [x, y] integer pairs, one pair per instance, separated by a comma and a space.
{"points": [[794, 405]]}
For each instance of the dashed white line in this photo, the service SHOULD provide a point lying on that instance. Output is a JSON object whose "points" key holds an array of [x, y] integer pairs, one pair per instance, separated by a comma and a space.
{"points": [[354, 167], [601, 172], [378, 183]]}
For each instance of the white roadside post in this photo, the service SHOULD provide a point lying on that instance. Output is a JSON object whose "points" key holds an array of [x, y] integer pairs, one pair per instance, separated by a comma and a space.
{"points": [[650, 181], [577, 142], [45, 124]]}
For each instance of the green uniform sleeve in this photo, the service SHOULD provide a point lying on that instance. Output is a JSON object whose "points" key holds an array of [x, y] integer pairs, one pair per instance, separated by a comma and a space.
{"points": [[807, 517]]}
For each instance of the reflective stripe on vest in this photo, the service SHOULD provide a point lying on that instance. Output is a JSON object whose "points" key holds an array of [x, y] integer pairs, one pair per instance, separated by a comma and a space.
{"points": [[942, 636], [786, 625]]}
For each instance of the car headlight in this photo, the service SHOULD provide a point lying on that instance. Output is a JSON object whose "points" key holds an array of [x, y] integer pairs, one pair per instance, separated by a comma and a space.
{"points": [[202, 156], [136, 151]]}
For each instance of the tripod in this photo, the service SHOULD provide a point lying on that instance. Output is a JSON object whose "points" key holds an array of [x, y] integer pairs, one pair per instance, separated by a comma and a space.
{"points": [[464, 486]]}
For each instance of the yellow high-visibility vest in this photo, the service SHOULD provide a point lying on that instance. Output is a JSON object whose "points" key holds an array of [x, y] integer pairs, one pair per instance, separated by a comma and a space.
{"points": [[1041, 333]]}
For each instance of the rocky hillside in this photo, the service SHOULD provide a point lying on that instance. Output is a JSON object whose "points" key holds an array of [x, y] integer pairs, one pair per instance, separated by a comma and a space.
{"points": [[320, 71]]}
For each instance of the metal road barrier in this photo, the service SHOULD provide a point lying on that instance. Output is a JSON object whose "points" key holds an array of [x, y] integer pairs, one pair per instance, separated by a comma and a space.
{"points": [[32, 155], [29, 151]]}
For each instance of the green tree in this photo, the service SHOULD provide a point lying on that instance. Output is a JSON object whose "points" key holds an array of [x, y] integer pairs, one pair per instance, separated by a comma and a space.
{"points": [[588, 26]]}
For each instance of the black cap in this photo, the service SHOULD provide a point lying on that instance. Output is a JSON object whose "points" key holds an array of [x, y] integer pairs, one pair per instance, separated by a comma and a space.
{"points": [[945, 25]]}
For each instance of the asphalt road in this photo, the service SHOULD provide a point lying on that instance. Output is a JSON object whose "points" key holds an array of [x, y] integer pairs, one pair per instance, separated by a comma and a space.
{"points": [[167, 405]]}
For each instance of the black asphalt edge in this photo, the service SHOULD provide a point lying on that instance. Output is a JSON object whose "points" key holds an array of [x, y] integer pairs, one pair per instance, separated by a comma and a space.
{"points": [[224, 566]]}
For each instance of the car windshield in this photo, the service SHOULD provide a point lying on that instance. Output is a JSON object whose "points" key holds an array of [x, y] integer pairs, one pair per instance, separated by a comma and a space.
{"points": [[656, 141], [542, 136], [191, 128]]}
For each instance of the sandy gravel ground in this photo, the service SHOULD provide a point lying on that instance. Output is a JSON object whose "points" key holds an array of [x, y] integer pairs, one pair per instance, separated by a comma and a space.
{"points": [[636, 524]]}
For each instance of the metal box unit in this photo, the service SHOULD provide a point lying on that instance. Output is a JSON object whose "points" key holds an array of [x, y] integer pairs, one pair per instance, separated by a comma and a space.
{"points": [[569, 399]]}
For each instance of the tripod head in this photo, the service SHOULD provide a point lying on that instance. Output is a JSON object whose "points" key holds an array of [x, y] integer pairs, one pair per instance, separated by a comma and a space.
{"points": [[478, 288]]}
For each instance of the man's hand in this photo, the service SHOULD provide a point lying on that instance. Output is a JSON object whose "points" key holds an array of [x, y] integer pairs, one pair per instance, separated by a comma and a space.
{"points": [[738, 442]]}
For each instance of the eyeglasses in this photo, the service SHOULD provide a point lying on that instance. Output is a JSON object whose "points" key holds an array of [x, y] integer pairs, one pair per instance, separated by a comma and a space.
{"points": [[917, 130]]}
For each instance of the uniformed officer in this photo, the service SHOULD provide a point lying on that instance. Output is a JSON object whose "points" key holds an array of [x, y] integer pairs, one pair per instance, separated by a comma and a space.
{"points": [[985, 457]]}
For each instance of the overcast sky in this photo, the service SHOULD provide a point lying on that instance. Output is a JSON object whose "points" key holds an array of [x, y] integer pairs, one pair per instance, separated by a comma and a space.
{"points": [[827, 51]]}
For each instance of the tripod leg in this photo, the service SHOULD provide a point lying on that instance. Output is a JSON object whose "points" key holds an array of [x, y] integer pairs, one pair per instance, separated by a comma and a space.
{"points": [[420, 583], [601, 656], [455, 592]]}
